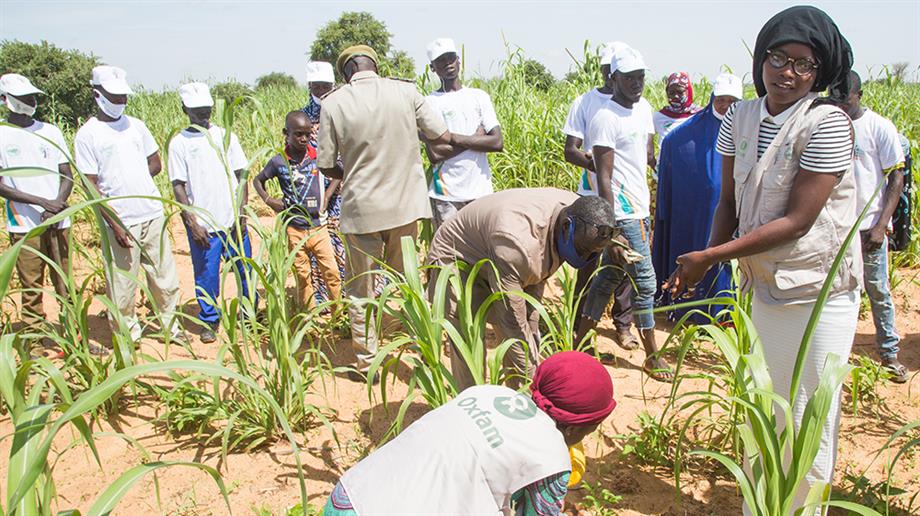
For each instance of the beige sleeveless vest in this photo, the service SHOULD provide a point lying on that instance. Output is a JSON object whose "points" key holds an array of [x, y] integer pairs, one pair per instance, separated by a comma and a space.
{"points": [[793, 272]]}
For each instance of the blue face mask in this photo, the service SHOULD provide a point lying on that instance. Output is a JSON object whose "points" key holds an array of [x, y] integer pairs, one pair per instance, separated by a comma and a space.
{"points": [[565, 244]]}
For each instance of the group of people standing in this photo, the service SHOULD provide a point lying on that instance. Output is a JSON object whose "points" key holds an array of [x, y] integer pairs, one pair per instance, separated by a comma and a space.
{"points": [[774, 182]]}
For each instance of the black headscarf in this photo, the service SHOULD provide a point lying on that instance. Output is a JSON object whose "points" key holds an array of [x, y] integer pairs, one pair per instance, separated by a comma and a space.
{"points": [[813, 27]]}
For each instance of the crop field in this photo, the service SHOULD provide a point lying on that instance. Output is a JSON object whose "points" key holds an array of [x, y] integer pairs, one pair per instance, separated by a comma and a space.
{"points": [[264, 421]]}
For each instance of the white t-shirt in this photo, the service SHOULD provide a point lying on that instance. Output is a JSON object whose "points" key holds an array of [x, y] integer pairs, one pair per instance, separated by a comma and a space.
{"points": [[24, 147], [626, 131], [117, 153], [878, 149], [576, 124], [467, 175], [665, 124], [194, 160]]}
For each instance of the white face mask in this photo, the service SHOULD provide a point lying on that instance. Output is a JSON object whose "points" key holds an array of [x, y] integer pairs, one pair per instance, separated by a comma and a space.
{"points": [[316, 99], [17, 106], [108, 107], [716, 114]]}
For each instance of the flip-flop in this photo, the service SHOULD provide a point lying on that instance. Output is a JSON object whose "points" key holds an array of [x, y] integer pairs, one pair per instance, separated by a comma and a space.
{"points": [[658, 374], [626, 340], [899, 372]]}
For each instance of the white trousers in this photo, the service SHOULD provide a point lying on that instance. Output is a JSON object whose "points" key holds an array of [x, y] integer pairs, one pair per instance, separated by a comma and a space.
{"points": [[780, 328]]}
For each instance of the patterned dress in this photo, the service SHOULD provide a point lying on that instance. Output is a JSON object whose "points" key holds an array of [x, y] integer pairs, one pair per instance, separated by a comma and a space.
{"points": [[312, 110]]}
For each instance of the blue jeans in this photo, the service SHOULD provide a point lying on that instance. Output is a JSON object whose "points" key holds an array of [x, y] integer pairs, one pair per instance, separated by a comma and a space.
{"points": [[875, 276], [636, 231], [206, 265]]}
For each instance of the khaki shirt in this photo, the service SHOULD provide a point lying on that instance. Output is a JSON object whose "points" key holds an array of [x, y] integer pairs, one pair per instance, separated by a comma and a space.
{"points": [[514, 229], [373, 123]]}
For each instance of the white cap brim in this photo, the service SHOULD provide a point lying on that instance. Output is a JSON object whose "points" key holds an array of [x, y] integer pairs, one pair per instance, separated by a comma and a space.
{"points": [[116, 87], [20, 92]]}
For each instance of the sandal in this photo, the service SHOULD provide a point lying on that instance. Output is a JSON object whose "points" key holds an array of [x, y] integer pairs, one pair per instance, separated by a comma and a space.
{"points": [[625, 339], [898, 371], [661, 374]]}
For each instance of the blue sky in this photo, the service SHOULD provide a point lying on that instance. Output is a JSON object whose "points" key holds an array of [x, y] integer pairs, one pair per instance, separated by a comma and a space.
{"points": [[161, 43]]}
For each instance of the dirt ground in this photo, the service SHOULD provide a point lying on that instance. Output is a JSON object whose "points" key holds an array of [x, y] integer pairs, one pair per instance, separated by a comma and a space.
{"points": [[267, 479]]}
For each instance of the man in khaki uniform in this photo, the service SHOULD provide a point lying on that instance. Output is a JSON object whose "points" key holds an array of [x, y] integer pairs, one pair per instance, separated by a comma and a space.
{"points": [[526, 233], [373, 123]]}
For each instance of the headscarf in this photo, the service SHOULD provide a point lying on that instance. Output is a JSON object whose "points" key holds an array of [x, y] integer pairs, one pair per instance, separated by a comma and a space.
{"points": [[573, 388], [685, 107], [813, 27]]}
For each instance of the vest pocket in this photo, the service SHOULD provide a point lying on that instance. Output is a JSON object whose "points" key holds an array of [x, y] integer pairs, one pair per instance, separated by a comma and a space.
{"points": [[798, 277]]}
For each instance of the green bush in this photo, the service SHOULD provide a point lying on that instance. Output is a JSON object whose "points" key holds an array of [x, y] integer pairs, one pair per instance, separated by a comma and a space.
{"points": [[277, 80], [230, 90], [63, 74]]}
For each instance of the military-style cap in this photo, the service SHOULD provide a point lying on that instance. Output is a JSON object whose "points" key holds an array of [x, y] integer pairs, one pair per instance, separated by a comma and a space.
{"points": [[354, 51]]}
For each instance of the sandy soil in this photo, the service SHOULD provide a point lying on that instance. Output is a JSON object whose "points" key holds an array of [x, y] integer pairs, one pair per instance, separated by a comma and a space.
{"points": [[267, 478]]}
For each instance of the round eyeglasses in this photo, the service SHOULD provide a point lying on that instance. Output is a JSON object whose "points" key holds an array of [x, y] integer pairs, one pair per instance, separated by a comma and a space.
{"points": [[801, 66]]}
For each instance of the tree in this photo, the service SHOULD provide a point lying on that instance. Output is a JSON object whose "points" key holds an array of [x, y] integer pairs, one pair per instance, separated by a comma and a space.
{"points": [[230, 90], [537, 74], [63, 75], [276, 80], [360, 28]]}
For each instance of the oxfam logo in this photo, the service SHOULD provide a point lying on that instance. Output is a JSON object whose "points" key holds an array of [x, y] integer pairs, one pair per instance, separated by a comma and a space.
{"points": [[515, 407]]}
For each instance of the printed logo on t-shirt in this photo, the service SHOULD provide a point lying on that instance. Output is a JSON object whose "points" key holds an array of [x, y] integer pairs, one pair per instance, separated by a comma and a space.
{"points": [[858, 150], [12, 150], [742, 148], [516, 407]]}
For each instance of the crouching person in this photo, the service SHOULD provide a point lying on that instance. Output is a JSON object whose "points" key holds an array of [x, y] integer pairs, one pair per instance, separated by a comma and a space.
{"points": [[526, 233], [490, 450]]}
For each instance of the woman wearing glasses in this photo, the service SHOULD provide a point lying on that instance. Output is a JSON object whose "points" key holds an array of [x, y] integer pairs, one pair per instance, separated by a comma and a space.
{"points": [[787, 203]]}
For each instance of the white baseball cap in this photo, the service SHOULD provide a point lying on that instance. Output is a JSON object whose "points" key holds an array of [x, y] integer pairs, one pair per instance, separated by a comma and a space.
{"points": [[196, 94], [728, 84], [320, 71], [626, 59], [608, 49], [439, 47], [17, 85], [112, 79]]}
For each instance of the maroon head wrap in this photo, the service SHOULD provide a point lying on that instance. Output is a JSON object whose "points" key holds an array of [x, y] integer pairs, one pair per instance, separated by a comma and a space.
{"points": [[573, 388], [685, 106]]}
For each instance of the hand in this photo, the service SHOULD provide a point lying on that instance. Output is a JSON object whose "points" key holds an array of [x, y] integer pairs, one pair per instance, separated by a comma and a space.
{"points": [[241, 224], [480, 131], [121, 237], [691, 268], [54, 205], [590, 158], [619, 250], [275, 204], [874, 238], [199, 235]]}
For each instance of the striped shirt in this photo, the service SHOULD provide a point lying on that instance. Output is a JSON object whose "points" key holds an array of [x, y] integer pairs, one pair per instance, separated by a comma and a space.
{"points": [[829, 150]]}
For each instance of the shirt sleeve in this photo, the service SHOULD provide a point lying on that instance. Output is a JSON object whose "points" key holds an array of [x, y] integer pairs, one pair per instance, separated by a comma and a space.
{"points": [[269, 170], [175, 163], [575, 123], [429, 121], [84, 156], [510, 258], [545, 497], [725, 145], [888, 143], [830, 149], [603, 129], [489, 119], [326, 142], [150, 145], [236, 157]]}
